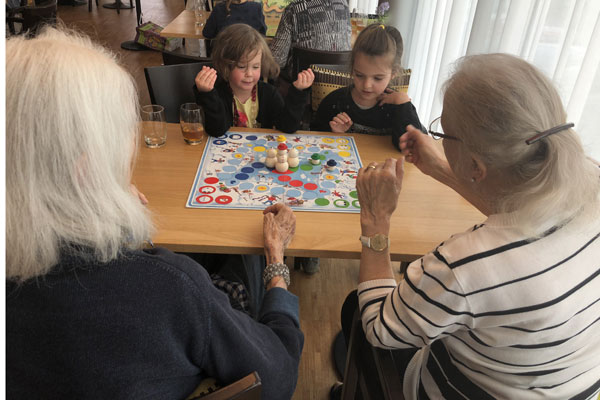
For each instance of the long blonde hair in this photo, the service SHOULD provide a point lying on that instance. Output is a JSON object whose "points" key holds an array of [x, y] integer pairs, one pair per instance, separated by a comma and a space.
{"points": [[71, 129], [496, 102]]}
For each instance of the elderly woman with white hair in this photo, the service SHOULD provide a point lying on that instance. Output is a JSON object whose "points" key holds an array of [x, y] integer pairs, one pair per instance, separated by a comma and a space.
{"points": [[89, 312], [509, 308]]}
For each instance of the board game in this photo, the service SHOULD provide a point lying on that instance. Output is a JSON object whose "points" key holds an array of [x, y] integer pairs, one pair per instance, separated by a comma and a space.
{"points": [[233, 173]]}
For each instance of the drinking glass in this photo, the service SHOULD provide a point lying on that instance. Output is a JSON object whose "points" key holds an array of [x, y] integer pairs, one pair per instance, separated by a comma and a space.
{"points": [[191, 121], [154, 125], [199, 13]]}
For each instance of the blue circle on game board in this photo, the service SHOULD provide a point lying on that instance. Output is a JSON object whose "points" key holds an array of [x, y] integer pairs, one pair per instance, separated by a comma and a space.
{"points": [[277, 190], [234, 161], [314, 149], [242, 177], [243, 149], [251, 137], [248, 170], [223, 176], [309, 195], [261, 141], [328, 184], [232, 182], [258, 165], [235, 136], [246, 185], [219, 142], [293, 193], [229, 168]]}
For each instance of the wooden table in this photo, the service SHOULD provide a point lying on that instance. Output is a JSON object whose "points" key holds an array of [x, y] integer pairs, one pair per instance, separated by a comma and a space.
{"points": [[428, 212], [184, 26]]}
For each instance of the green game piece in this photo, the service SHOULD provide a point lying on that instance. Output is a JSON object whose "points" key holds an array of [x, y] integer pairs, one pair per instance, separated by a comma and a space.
{"points": [[315, 156]]}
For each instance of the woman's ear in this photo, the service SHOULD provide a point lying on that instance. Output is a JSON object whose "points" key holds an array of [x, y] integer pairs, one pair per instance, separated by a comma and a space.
{"points": [[478, 169]]}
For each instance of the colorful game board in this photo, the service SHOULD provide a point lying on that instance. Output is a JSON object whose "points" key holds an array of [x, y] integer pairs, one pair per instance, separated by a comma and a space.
{"points": [[232, 174]]}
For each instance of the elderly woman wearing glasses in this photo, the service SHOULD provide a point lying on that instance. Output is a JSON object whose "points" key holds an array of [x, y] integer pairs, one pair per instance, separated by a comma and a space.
{"points": [[509, 308]]}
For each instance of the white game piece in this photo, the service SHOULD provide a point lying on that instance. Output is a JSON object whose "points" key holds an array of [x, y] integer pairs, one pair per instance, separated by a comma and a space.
{"points": [[271, 152], [270, 162], [293, 162], [282, 158], [281, 167], [293, 153]]}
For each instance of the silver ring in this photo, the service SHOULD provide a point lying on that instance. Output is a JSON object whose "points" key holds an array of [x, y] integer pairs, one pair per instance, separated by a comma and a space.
{"points": [[372, 166]]}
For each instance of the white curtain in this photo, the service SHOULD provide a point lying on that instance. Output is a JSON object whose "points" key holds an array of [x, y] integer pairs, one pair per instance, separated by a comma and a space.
{"points": [[561, 37], [364, 6]]}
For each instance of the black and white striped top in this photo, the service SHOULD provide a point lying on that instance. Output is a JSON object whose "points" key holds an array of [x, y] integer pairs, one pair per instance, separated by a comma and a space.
{"points": [[496, 314], [312, 24]]}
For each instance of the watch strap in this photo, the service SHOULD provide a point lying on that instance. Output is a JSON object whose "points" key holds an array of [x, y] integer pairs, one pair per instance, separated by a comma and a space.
{"points": [[276, 269]]}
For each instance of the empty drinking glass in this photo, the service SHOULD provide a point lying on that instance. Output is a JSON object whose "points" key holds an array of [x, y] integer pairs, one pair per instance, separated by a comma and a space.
{"points": [[199, 12], [154, 126], [191, 121]]}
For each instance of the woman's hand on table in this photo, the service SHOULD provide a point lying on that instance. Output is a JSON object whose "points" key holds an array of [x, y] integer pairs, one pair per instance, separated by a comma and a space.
{"points": [[421, 150], [134, 190], [279, 226], [378, 187], [206, 78]]}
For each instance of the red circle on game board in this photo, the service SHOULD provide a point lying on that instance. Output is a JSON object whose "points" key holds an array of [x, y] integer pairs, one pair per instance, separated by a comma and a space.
{"points": [[285, 178], [296, 183], [223, 199], [286, 172], [211, 180], [207, 189], [204, 199], [310, 186]]}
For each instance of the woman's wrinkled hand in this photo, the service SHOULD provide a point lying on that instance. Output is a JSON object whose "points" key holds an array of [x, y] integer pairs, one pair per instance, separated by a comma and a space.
{"points": [[378, 187], [421, 150], [134, 190], [279, 226]]}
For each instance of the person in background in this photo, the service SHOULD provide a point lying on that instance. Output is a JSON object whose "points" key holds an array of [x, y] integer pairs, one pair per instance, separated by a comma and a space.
{"points": [[240, 98], [312, 24], [369, 106], [229, 12], [509, 308], [90, 312]]}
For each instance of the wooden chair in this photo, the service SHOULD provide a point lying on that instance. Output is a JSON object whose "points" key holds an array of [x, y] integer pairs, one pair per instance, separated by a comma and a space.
{"points": [[247, 388], [332, 77], [172, 85], [371, 372], [32, 18]]}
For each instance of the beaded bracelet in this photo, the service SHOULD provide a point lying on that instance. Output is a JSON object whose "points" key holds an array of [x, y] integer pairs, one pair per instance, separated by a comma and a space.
{"points": [[276, 269]]}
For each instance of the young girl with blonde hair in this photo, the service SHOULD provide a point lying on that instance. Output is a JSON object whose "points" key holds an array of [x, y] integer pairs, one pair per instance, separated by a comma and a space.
{"points": [[369, 105], [240, 97]]}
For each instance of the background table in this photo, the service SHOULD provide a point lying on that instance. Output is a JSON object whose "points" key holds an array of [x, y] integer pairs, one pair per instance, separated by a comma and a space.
{"points": [[184, 26], [428, 212]]}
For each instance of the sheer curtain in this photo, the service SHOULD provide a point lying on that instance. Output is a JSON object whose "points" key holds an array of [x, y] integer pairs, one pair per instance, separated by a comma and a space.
{"points": [[364, 6], [561, 37]]}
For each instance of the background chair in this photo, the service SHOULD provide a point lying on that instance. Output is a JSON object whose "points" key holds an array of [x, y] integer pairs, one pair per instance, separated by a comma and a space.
{"points": [[31, 17], [332, 77], [247, 388], [172, 85], [302, 58]]}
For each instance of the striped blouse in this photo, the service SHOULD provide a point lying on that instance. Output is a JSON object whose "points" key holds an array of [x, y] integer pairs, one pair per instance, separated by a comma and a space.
{"points": [[496, 314]]}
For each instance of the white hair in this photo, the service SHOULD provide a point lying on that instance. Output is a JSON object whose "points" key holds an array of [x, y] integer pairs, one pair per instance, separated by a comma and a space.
{"points": [[71, 134], [496, 102]]}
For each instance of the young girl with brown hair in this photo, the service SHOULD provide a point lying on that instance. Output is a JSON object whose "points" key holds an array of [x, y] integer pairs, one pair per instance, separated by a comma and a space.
{"points": [[240, 97], [231, 12], [369, 105]]}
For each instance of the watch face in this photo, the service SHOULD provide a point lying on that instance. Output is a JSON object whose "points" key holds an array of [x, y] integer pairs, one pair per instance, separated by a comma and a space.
{"points": [[379, 242]]}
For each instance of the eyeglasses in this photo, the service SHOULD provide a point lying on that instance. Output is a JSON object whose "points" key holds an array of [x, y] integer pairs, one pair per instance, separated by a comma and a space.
{"points": [[434, 126]]}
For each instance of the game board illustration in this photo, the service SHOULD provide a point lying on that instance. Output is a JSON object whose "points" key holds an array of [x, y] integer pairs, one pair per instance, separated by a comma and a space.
{"points": [[234, 174]]}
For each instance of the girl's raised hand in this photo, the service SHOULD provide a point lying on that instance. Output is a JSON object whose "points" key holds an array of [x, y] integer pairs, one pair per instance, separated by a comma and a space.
{"points": [[390, 96], [340, 123], [305, 79], [420, 150], [206, 78]]}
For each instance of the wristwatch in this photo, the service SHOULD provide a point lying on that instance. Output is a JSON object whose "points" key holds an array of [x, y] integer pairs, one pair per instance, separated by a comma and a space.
{"points": [[377, 242]]}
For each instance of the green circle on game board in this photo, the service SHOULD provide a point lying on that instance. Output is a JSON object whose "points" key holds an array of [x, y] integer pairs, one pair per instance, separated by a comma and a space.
{"points": [[322, 156], [293, 169], [306, 167], [321, 202], [341, 203], [356, 204], [354, 194]]}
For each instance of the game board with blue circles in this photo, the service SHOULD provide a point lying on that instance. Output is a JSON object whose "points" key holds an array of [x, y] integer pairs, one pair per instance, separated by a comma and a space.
{"points": [[232, 174]]}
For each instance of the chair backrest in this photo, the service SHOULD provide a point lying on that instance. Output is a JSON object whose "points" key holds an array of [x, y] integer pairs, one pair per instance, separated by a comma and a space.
{"points": [[332, 77], [174, 57], [302, 58], [172, 85], [247, 388], [33, 17]]}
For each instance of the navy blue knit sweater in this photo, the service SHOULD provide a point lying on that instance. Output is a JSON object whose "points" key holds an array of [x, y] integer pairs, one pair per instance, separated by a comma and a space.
{"points": [[147, 325]]}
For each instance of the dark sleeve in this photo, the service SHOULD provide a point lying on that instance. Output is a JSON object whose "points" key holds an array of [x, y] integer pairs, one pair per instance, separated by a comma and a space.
{"points": [[402, 116], [262, 29], [325, 113], [286, 115], [234, 344], [217, 114], [210, 28]]}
